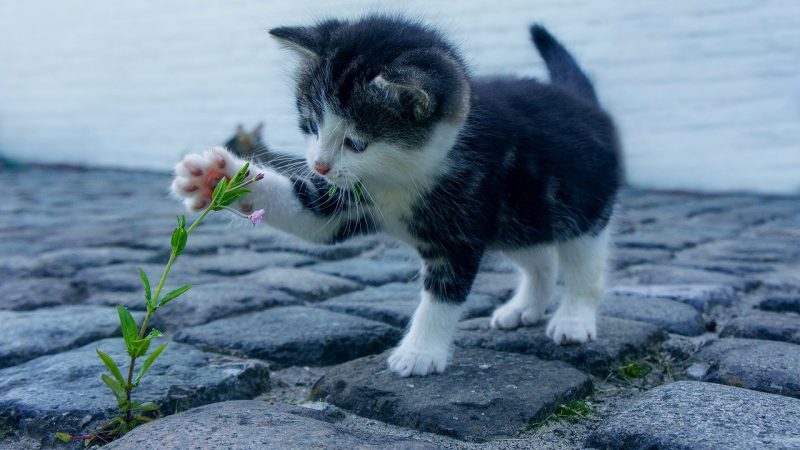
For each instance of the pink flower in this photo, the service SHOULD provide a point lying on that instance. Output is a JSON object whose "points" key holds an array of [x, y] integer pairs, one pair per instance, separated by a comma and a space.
{"points": [[257, 217]]}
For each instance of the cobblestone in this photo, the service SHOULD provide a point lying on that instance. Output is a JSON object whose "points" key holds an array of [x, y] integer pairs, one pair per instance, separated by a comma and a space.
{"points": [[771, 326], [692, 415], [294, 336], [64, 391], [29, 334], [701, 287], [483, 395], [243, 425], [766, 366], [619, 340]]}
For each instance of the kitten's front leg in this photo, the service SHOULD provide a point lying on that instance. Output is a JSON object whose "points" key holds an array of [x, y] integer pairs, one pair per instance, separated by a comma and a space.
{"points": [[425, 348], [297, 206]]}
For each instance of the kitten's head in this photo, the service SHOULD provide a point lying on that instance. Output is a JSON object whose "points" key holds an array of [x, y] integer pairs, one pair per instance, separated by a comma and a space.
{"points": [[246, 144], [381, 99]]}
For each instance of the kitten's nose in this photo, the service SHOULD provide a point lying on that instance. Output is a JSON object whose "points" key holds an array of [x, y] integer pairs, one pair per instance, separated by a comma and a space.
{"points": [[321, 169]]}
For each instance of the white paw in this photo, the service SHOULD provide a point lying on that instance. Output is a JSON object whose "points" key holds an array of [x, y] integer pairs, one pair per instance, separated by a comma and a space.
{"points": [[406, 361], [572, 328], [198, 174], [510, 316]]}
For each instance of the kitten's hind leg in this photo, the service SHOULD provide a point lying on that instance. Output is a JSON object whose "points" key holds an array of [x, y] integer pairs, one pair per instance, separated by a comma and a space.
{"points": [[538, 268], [582, 263]]}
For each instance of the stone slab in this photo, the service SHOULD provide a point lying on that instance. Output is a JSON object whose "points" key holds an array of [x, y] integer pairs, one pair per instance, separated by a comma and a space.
{"points": [[273, 242], [701, 416], [305, 284], [618, 340], [67, 261], [293, 335], [672, 316], [371, 272], [125, 277], [31, 293], [482, 395], [242, 262], [208, 302], [781, 304], [701, 296], [767, 366], [654, 274], [395, 303], [64, 392], [30, 334], [245, 425], [764, 325]]}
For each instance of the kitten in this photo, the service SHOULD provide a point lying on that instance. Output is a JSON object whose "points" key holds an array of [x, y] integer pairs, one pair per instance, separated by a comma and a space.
{"points": [[450, 164], [249, 145]]}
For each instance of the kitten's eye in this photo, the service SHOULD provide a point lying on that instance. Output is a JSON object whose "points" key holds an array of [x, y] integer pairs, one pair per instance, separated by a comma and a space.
{"points": [[312, 127], [355, 146]]}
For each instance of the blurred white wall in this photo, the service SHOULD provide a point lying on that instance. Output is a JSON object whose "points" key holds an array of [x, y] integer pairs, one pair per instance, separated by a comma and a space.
{"points": [[707, 94]]}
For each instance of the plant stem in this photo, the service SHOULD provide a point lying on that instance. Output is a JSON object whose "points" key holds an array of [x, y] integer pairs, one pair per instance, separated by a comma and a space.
{"points": [[172, 257], [150, 311]]}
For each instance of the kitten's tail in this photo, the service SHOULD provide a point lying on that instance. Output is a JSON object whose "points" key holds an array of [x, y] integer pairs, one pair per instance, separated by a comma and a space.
{"points": [[564, 70]]}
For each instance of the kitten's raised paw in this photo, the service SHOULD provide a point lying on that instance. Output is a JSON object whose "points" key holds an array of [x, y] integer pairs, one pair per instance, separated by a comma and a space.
{"points": [[572, 329], [198, 174], [406, 361], [509, 317]]}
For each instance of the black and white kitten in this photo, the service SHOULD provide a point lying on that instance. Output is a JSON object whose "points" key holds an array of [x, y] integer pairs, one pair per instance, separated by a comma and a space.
{"points": [[450, 164]]}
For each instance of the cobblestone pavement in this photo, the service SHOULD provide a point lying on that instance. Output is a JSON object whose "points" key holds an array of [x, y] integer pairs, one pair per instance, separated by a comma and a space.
{"points": [[282, 343]]}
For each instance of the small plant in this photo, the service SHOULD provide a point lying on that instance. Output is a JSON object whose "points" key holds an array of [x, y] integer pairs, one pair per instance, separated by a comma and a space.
{"points": [[138, 338], [574, 411], [633, 369]]}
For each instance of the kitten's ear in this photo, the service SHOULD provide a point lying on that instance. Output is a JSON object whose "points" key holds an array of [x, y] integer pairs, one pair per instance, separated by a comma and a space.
{"points": [[407, 89], [256, 133], [303, 40]]}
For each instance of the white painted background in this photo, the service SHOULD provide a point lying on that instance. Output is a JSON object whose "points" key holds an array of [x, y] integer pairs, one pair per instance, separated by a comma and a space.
{"points": [[707, 93]]}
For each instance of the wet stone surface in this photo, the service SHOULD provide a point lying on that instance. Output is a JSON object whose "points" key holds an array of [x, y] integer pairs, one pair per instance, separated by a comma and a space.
{"points": [[672, 316], [31, 293], [240, 425], [694, 415], [619, 340], [767, 366], [483, 395], [771, 326], [29, 334], [64, 391], [701, 287], [294, 336], [395, 303]]}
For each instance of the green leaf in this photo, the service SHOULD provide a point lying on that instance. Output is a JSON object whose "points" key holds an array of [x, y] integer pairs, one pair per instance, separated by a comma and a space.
{"points": [[182, 221], [232, 196], [64, 437], [116, 388], [358, 190], [112, 366], [240, 175], [332, 191], [222, 186], [149, 362], [146, 282], [172, 295], [178, 241], [147, 407], [129, 330], [142, 345]]}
